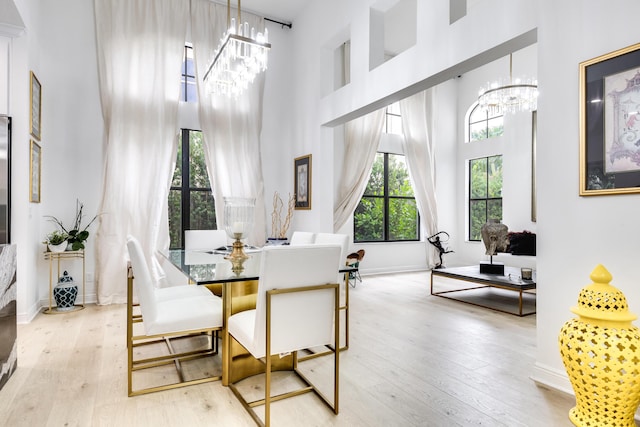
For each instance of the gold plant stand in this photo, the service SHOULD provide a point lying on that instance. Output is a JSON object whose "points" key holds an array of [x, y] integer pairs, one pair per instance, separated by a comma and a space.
{"points": [[57, 257]]}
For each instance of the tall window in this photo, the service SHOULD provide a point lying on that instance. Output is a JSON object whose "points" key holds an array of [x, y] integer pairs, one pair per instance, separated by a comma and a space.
{"points": [[485, 193], [483, 125], [191, 204], [188, 92], [393, 119], [387, 210]]}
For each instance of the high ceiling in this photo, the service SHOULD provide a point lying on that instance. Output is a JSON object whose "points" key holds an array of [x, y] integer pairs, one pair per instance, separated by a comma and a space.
{"points": [[285, 10]]}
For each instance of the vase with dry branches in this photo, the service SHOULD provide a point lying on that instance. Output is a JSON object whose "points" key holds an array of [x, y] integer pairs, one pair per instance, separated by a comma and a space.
{"points": [[281, 220]]}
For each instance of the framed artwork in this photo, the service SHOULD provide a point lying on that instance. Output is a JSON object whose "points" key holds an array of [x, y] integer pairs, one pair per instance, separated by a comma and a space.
{"points": [[302, 181], [610, 123], [36, 110], [34, 172]]}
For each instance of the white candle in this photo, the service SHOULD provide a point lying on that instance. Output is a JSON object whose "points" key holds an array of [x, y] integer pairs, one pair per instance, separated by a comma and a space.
{"points": [[238, 227]]}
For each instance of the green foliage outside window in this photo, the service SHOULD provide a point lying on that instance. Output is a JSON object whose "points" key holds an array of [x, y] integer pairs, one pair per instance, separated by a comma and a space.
{"points": [[485, 190], [387, 210], [191, 203]]}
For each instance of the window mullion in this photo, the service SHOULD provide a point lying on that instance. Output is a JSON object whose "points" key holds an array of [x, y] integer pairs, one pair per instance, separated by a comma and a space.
{"points": [[486, 180], [386, 197], [186, 195]]}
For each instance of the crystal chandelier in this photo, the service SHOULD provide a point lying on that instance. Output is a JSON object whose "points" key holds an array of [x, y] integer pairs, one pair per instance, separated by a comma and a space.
{"points": [[509, 96], [241, 55]]}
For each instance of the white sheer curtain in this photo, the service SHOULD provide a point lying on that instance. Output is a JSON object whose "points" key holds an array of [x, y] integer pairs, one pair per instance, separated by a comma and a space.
{"points": [[362, 137], [231, 126], [417, 123], [140, 47]]}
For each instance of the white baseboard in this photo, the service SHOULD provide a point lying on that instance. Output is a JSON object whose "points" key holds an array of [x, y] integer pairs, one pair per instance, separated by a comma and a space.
{"points": [[403, 269], [23, 318], [552, 378], [32, 312], [558, 380]]}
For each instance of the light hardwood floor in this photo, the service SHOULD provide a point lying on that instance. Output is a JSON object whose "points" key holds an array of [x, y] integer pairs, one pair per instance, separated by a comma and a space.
{"points": [[414, 359]]}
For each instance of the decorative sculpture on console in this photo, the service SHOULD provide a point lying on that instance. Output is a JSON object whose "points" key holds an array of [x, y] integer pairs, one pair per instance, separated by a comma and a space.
{"points": [[436, 241], [495, 237], [280, 225]]}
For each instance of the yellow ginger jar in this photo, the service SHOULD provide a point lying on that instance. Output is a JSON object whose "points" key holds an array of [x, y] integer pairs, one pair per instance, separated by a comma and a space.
{"points": [[601, 353]]}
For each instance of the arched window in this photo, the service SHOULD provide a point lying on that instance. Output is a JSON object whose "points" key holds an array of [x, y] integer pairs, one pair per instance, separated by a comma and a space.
{"points": [[482, 124]]}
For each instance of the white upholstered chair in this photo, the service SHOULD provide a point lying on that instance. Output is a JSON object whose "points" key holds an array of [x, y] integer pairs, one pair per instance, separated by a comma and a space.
{"points": [[302, 238], [204, 239], [343, 241], [170, 274], [335, 239], [297, 308], [166, 314]]}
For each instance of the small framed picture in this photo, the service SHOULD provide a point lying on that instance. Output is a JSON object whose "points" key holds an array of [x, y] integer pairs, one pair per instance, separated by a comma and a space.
{"points": [[36, 110], [302, 181], [34, 172], [610, 123]]}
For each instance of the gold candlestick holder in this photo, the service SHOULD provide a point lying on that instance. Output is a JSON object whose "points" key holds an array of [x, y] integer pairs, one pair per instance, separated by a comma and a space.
{"points": [[238, 220], [237, 257]]}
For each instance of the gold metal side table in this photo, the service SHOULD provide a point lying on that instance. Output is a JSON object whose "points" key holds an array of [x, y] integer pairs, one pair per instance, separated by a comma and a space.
{"points": [[58, 256]]}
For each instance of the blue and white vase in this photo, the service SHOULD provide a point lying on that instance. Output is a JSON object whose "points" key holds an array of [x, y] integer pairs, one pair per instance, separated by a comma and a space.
{"points": [[65, 293]]}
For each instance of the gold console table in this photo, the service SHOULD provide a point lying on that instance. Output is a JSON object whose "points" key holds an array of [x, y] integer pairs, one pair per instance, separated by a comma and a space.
{"points": [[58, 256]]}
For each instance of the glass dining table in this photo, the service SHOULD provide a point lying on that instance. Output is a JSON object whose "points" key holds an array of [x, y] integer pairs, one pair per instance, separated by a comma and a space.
{"points": [[239, 293]]}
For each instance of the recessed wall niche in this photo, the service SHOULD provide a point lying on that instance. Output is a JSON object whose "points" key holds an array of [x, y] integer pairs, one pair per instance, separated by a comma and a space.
{"points": [[336, 61], [392, 29], [342, 65], [459, 8]]}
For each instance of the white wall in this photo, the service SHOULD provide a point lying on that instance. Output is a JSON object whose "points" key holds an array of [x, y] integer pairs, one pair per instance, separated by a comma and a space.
{"points": [[24, 56], [576, 233], [441, 52], [277, 125], [5, 55], [72, 128]]}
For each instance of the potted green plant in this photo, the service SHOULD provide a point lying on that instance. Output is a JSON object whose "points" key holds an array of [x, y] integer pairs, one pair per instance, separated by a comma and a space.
{"points": [[77, 234], [56, 241]]}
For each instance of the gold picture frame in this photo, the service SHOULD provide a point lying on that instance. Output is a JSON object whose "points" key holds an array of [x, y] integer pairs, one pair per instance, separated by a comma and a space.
{"points": [[610, 123], [35, 162], [302, 181], [36, 108]]}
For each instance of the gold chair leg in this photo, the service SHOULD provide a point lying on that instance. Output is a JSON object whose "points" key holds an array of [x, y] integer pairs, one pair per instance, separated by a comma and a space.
{"points": [[176, 358], [173, 358], [309, 387]]}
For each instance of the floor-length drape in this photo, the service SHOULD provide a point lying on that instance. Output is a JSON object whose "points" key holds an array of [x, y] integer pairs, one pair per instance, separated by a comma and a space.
{"points": [[417, 123], [231, 126], [140, 48], [361, 140]]}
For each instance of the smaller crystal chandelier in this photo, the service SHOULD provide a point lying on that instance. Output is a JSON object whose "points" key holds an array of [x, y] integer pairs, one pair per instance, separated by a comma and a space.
{"points": [[509, 96], [241, 55]]}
